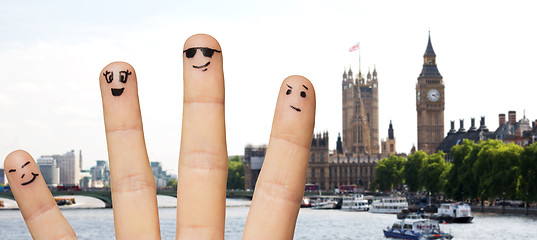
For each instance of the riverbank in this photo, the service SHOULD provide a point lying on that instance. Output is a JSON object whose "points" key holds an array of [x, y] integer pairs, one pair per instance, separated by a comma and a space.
{"points": [[506, 210]]}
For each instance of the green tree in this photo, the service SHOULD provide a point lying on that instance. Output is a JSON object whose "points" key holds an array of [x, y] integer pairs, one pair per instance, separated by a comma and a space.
{"points": [[389, 172], [527, 178], [235, 174], [469, 176], [433, 172], [412, 170], [505, 170], [172, 183], [482, 167], [456, 176], [496, 169]]}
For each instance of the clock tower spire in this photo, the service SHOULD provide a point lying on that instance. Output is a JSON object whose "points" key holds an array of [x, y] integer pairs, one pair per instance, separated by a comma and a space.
{"points": [[430, 103]]}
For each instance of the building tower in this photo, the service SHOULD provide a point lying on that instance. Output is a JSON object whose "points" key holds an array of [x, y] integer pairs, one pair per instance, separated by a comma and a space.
{"points": [[374, 112], [430, 103], [360, 113], [388, 146]]}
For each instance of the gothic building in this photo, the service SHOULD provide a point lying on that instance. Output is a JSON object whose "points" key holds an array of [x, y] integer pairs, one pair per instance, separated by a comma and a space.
{"points": [[430, 103], [360, 113], [330, 170], [522, 132], [388, 145]]}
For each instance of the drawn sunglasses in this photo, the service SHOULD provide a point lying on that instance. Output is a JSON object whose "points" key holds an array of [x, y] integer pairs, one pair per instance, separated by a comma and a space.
{"points": [[207, 52]]}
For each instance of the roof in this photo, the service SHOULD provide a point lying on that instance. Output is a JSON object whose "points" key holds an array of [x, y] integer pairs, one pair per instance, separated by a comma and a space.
{"points": [[506, 130], [429, 51], [430, 71], [453, 139]]}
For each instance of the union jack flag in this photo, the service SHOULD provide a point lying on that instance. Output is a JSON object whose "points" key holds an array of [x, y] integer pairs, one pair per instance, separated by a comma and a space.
{"points": [[354, 48]]}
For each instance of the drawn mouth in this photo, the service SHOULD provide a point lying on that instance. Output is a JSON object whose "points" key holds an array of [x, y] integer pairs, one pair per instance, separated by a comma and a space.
{"points": [[295, 108], [31, 180], [202, 66], [117, 91]]}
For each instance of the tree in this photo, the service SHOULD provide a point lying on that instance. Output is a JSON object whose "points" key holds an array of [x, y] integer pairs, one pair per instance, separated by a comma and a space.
{"points": [[527, 178], [504, 174], [456, 176], [482, 156], [496, 169], [235, 174], [412, 169], [389, 172], [172, 183], [433, 172]]}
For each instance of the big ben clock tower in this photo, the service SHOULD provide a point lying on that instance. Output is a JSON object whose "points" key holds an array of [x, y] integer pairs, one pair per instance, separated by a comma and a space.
{"points": [[430, 103]]}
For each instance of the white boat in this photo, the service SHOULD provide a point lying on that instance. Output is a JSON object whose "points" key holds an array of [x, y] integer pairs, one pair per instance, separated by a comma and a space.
{"points": [[326, 202], [389, 205], [416, 228], [355, 203], [454, 212]]}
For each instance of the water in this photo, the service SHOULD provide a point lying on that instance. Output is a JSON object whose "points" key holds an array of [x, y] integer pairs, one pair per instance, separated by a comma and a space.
{"points": [[311, 224]]}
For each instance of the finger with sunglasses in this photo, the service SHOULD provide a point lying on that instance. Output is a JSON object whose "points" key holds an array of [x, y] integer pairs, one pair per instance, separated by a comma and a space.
{"points": [[202, 176]]}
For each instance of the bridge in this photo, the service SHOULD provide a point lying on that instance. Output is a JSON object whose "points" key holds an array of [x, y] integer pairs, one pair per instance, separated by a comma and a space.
{"points": [[106, 196]]}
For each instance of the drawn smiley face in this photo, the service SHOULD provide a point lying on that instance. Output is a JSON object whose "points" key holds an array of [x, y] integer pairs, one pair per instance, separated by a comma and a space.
{"points": [[207, 53], [302, 95], [26, 180], [123, 76]]}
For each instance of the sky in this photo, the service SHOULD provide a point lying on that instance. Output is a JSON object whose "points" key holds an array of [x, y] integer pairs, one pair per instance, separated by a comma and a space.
{"points": [[52, 52]]}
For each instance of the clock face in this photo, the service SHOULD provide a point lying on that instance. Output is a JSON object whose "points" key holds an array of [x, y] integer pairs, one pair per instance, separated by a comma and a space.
{"points": [[433, 95]]}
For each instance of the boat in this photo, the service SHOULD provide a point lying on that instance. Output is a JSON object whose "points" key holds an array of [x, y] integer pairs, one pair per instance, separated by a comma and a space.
{"points": [[306, 202], [454, 212], [389, 205], [416, 228], [355, 203], [405, 213], [326, 202], [60, 201]]}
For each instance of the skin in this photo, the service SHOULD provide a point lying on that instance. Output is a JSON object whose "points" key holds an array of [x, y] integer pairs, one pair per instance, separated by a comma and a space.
{"points": [[202, 161]]}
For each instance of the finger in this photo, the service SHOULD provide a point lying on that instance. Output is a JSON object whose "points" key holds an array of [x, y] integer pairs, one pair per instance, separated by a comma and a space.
{"points": [[201, 192], [280, 186], [133, 185], [39, 210]]}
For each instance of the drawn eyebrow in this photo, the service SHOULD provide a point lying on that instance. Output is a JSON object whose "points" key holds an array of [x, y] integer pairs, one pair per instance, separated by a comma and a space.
{"points": [[25, 164], [289, 86], [305, 87], [12, 170]]}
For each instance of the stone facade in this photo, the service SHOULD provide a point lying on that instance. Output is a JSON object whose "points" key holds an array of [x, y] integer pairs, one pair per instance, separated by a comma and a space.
{"points": [[330, 169], [254, 156], [360, 113], [430, 103]]}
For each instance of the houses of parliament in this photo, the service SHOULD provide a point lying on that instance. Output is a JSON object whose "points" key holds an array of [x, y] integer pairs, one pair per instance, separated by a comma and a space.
{"points": [[357, 147]]}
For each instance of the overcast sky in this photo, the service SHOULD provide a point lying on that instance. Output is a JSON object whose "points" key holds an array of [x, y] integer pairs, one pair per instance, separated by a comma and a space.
{"points": [[52, 52]]}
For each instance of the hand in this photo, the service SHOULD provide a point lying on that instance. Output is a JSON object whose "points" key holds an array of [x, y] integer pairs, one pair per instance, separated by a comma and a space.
{"points": [[202, 160]]}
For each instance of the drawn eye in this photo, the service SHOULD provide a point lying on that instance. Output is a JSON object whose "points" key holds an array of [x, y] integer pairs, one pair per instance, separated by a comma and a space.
{"points": [[288, 92], [110, 78], [303, 94], [123, 75]]}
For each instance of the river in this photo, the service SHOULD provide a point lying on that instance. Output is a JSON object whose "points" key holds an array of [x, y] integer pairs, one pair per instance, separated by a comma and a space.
{"points": [[97, 223]]}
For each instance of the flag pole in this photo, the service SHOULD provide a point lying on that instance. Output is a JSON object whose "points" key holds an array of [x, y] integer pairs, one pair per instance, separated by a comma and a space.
{"points": [[359, 58]]}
